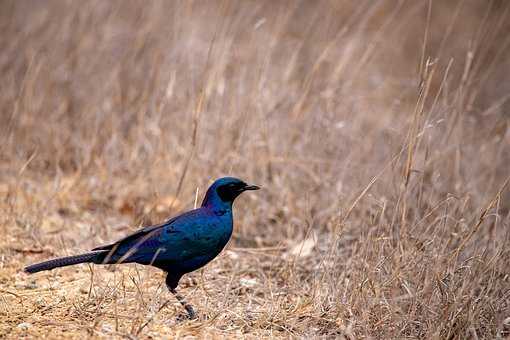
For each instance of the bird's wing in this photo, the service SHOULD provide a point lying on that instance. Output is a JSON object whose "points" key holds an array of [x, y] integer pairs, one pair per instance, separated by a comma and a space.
{"points": [[145, 232], [137, 234]]}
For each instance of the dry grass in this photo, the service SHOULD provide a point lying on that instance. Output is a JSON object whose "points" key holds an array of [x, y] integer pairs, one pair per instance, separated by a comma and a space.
{"points": [[377, 129]]}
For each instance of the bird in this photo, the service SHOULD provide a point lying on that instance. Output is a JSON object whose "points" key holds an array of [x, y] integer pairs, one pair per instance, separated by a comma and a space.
{"points": [[178, 246]]}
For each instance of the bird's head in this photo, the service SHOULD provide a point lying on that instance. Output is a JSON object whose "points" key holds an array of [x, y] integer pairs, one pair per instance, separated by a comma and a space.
{"points": [[224, 191]]}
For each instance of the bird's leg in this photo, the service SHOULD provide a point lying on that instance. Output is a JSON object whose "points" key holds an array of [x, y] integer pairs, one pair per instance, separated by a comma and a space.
{"points": [[184, 303], [180, 298]]}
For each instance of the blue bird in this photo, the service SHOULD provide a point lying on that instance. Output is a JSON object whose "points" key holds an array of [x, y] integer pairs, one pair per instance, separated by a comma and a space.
{"points": [[178, 246]]}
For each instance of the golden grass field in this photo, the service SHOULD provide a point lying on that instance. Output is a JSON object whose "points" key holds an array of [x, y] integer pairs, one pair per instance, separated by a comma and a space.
{"points": [[377, 129]]}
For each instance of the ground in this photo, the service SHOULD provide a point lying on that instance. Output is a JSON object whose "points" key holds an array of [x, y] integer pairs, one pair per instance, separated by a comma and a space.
{"points": [[377, 130]]}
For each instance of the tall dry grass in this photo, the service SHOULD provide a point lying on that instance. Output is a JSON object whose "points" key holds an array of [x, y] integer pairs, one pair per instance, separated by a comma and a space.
{"points": [[377, 129]]}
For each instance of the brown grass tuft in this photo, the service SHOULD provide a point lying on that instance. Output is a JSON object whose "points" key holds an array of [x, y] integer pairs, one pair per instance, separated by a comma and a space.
{"points": [[378, 130]]}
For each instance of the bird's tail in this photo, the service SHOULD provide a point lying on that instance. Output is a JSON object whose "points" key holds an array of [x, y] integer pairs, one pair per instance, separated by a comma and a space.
{"points": [[92, 257]]}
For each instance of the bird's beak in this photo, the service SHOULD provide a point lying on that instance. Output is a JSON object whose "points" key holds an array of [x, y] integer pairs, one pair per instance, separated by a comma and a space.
{"points": [[251, 187]]}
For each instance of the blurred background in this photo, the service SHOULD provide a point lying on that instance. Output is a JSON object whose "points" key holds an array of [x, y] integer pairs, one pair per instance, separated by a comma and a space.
{"points": [[378, 131]]}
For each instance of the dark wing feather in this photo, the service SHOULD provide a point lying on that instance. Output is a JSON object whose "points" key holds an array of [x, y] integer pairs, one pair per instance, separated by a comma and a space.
{"points": [[137, 234], [142, 232]]}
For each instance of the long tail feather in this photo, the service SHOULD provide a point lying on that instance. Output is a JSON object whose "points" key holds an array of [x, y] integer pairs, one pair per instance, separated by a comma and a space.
{"points": [[94, 257]]}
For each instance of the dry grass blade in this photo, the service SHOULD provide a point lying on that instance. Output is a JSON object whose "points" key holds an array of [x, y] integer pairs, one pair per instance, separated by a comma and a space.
{"points": [[377, 130]]}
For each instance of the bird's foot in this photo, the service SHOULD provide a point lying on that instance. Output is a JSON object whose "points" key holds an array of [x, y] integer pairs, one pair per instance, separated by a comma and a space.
{"points": [[186, 317], [191, 312], [190, 315]]}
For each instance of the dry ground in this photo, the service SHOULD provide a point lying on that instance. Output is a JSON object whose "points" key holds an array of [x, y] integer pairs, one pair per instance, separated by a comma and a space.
{"points": [[378, 129]]}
